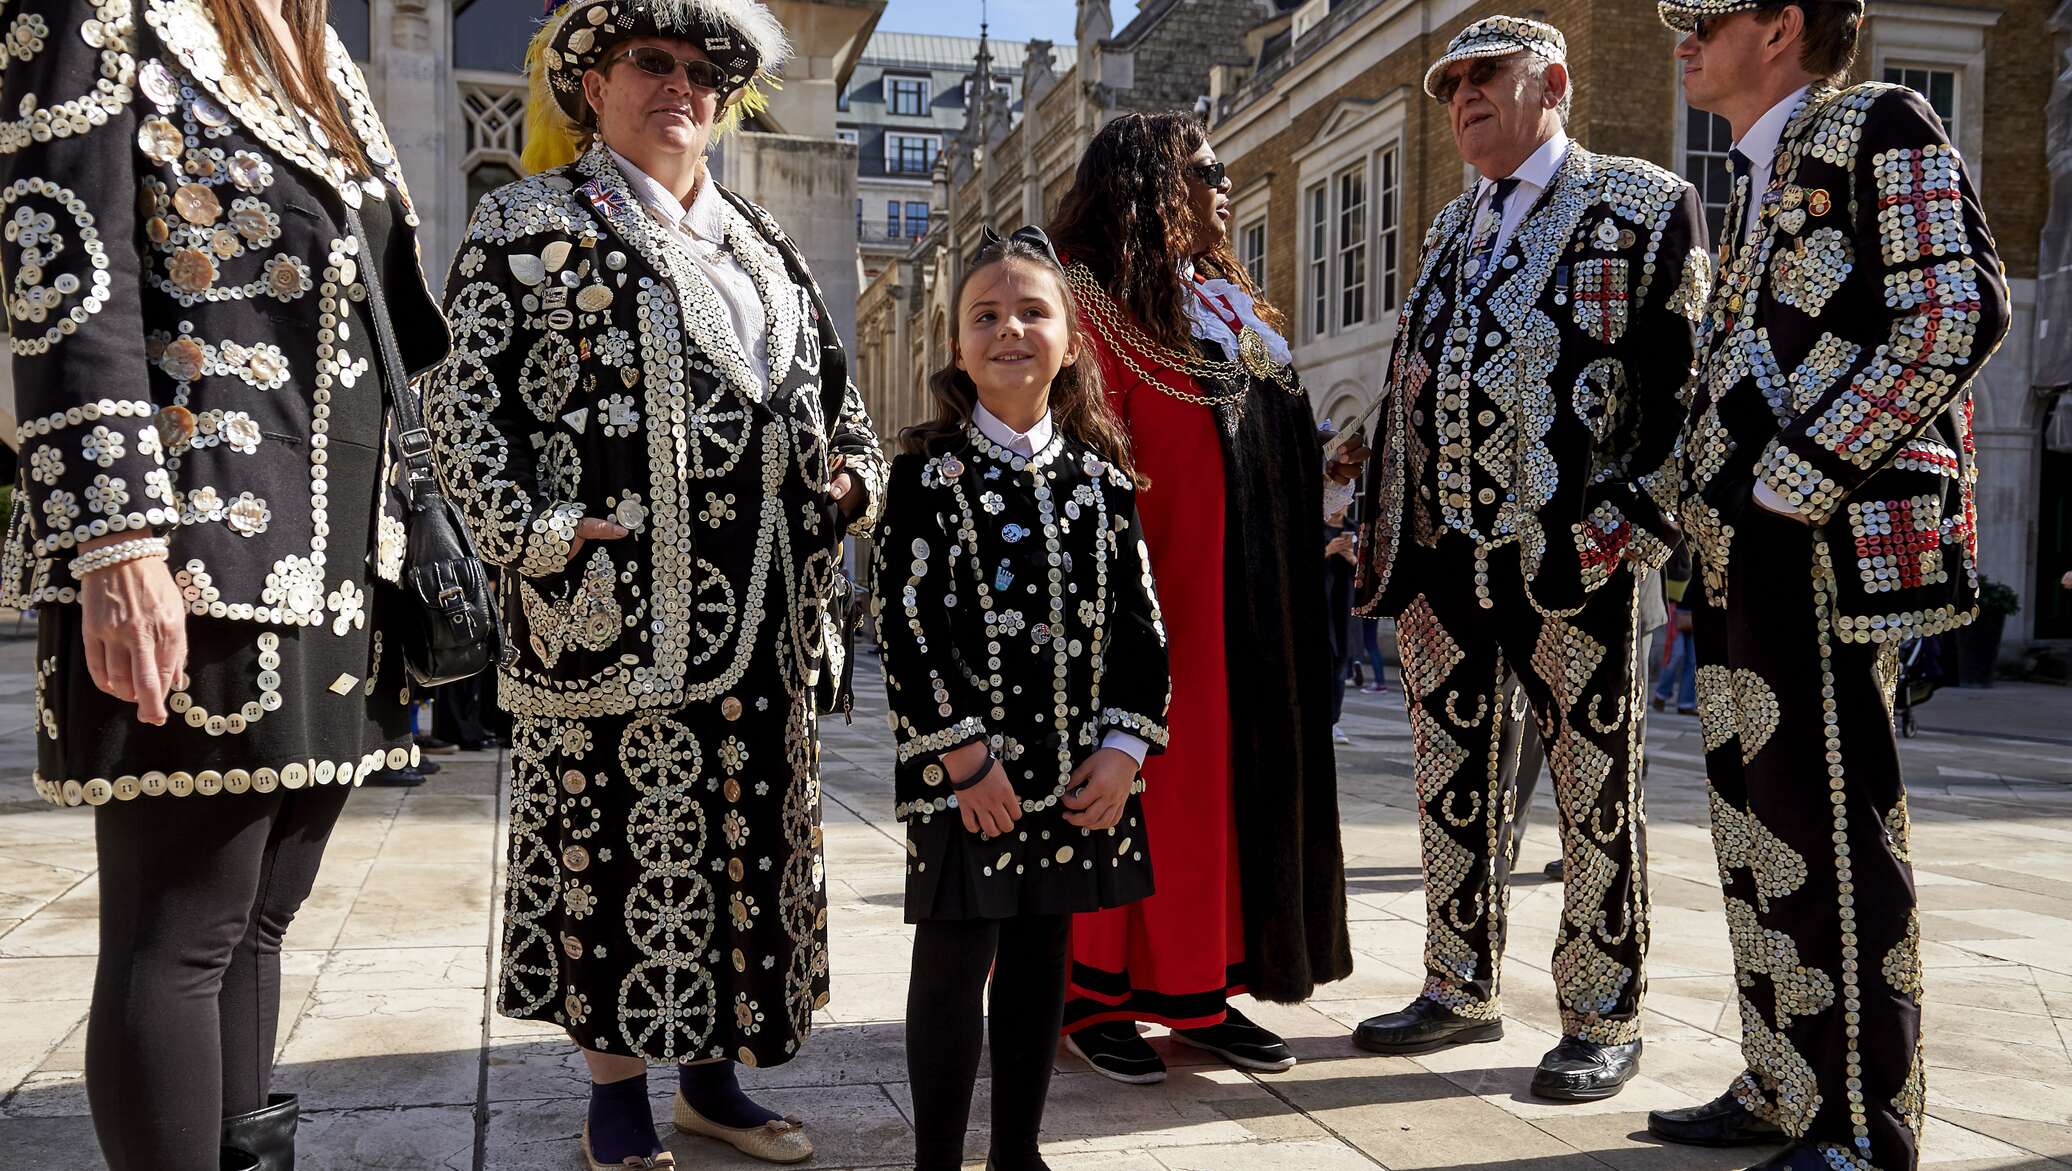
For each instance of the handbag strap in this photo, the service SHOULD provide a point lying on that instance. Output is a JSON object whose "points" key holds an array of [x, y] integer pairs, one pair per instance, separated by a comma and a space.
{"points": [[414, 440]]}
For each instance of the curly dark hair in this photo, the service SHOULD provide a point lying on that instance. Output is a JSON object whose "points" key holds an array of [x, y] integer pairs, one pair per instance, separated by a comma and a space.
{"points": [[1078, 404], [1127, 218]]}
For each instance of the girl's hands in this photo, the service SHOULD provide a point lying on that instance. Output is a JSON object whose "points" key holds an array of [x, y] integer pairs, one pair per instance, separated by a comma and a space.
{"points": [[990, 807], [1100, 787]]}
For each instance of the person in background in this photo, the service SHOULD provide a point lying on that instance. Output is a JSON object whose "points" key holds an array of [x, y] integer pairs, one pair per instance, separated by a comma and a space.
{"points": [[1339, 537], [1678, 681]]}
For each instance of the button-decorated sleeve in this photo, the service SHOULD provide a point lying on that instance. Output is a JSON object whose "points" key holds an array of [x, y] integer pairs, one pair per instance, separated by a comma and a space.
{"points": [[1633, 500], [1942, 310], [1136, 685], [481, 427], [73, 260], [936, 704], [854, 439]]}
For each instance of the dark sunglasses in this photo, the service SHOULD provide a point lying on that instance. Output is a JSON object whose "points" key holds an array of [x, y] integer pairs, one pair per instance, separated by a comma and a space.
{"points": [[658, 62], [1480, 73], [1211, 174]]}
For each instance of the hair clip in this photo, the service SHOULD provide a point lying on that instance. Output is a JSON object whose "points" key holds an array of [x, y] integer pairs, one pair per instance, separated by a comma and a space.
{"points": [[1029, 234]]}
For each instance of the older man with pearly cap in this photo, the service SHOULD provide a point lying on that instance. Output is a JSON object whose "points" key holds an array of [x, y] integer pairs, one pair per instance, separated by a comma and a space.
{"points": [[1829, 471], [1523, 494]]}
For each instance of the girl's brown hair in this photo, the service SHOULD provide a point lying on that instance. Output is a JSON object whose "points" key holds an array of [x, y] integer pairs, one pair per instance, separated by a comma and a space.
{"points": [[1078, 404], [248, 47], [1127, 218]]}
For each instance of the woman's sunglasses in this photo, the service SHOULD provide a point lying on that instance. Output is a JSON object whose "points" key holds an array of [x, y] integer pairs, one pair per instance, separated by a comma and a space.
{"points": [[657, 62], [1211, 174]]}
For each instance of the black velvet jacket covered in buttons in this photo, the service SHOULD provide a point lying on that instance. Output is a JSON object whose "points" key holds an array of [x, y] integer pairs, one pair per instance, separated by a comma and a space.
{"points": [[1537, 404], [596, 373], [1836, 360], [185, 303]]}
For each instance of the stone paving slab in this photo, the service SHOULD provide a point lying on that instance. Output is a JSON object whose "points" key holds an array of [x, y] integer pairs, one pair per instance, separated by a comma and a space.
{"points": [[389, 1034]]}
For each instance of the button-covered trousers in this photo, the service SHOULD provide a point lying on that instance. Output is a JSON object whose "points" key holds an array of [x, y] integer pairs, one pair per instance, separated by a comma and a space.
{"points": [[1583, 684], [1809, 820]]}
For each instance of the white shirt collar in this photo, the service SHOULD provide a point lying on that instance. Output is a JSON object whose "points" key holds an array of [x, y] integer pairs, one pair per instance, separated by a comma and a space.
{"points": [[704, 219], [1029, 442], [1759, 145], [1539, 169]]}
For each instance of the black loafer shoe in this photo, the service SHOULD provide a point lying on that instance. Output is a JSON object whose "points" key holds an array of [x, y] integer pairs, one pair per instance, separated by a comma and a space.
{"points": [[1722, 1122], [1585, 1071], [1797, 1157], [1116, 1051], [1425, 1027], [1241, 1043], [267, 1134]]}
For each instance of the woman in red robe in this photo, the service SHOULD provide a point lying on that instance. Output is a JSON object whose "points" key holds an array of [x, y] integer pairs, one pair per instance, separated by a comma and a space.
{"points": [[1242, 808]]}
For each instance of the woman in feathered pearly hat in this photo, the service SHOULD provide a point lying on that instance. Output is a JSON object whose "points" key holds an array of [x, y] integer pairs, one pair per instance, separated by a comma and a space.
{"points": [[648, 422]]}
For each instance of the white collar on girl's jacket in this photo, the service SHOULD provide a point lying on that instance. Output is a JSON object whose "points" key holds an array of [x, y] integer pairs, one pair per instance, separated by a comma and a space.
{"points": [[1206, 323], [1028, 442]]}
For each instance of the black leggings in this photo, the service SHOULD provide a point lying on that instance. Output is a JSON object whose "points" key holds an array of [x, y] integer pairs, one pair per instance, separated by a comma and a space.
{"points": [[196, 893], [943, 1015]]}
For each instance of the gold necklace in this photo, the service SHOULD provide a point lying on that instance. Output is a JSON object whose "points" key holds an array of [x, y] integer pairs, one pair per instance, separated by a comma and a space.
{"points": [[1109, 321]]}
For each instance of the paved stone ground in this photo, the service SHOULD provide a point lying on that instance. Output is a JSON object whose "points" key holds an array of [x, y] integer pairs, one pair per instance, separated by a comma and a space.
{"points": [[389, 1037]]}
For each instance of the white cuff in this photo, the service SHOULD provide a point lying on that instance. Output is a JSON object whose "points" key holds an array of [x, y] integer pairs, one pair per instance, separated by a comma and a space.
{"points": [[1337, 496], [1132, 746]]}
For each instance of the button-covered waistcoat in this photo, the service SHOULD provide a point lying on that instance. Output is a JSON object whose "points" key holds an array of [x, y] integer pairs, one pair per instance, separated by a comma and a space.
{"points": [[1836, 358], [596, 373], [184, 301], [1537, 403]]}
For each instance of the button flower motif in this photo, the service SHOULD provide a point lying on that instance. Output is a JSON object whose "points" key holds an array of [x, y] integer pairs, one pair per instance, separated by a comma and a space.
{"points": [[287, 278], [240, 433], [618, 414], [349, 603], [108, 494], [102, 446], [47, 465], [60, 509], [248, 515], [204, 503]]}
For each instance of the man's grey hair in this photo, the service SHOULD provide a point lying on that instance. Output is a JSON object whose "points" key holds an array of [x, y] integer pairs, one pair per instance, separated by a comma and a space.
{"points": [[1537, 66]]}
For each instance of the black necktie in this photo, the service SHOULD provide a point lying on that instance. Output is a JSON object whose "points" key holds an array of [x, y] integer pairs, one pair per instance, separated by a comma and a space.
{"points": [[1485, 241], [1744, 176]]}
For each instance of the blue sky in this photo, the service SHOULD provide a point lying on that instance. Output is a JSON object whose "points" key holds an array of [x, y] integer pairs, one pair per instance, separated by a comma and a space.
{"points": [[1014, 20]]}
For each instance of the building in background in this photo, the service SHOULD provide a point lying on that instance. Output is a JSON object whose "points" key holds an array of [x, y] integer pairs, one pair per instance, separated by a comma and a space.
{"points": [[1009, 160], [909, 95], [1339, 163]]}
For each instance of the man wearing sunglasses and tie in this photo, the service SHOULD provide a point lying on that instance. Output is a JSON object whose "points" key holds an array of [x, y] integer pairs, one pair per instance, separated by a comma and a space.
{"points": [[648, 422], [1526, 476]]}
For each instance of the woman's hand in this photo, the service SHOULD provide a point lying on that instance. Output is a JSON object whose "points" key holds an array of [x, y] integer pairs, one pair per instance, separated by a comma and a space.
{"points": [[1100, 788], [990, 807], [1346, 464], [591, 529], [847, 491], [1340, 546], [134, 623]]}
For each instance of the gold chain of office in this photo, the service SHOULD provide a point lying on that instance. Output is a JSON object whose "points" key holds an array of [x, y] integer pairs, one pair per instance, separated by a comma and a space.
{"points": [[1110, 321]]}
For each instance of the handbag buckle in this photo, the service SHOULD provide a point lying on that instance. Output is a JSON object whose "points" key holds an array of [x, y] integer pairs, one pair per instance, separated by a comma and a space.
{"points": [[416, 442]]}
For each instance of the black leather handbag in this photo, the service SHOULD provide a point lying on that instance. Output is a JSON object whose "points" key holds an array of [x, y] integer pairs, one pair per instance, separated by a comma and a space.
{"points": [[447, 626]]}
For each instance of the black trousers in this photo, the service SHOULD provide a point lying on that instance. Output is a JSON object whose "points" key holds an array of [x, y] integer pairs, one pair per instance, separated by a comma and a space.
{"points": [[1809, 821], [196, 894], [1581, 680], [1027, 957]]}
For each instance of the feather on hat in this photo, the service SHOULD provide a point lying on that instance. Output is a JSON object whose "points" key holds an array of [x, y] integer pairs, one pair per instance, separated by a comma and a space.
{"points": [[742, 37]]}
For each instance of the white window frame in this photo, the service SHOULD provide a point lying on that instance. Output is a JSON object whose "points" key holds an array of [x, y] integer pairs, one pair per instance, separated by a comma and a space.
{"points": [[1251, 250], [1683, 148], [846, 135], [927, 93], [1908, 35], [1352, 244], [1250, 209], [1351, 140], [1388, 226]]}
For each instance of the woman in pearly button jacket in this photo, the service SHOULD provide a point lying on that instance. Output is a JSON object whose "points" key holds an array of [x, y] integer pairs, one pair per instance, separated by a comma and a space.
{"points": [[649, 426], [203, 520]]}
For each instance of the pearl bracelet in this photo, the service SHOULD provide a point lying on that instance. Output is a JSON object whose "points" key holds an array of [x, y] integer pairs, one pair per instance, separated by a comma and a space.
{"points": [[135, 549]]}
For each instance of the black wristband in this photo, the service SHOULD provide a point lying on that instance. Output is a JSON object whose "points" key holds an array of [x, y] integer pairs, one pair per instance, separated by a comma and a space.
{"points": [[985, 767]]}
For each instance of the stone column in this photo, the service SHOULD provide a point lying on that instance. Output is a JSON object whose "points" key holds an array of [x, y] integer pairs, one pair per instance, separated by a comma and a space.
{"points": [[2007, 424], [412, 77]]}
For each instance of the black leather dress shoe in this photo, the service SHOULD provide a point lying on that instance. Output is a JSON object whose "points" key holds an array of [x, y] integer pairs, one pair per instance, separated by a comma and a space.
{"points": [[1722, 1122], [266, 1134], [1241, 1043], [1584, 1071], [1425, 1027], [1796, 1157]]}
